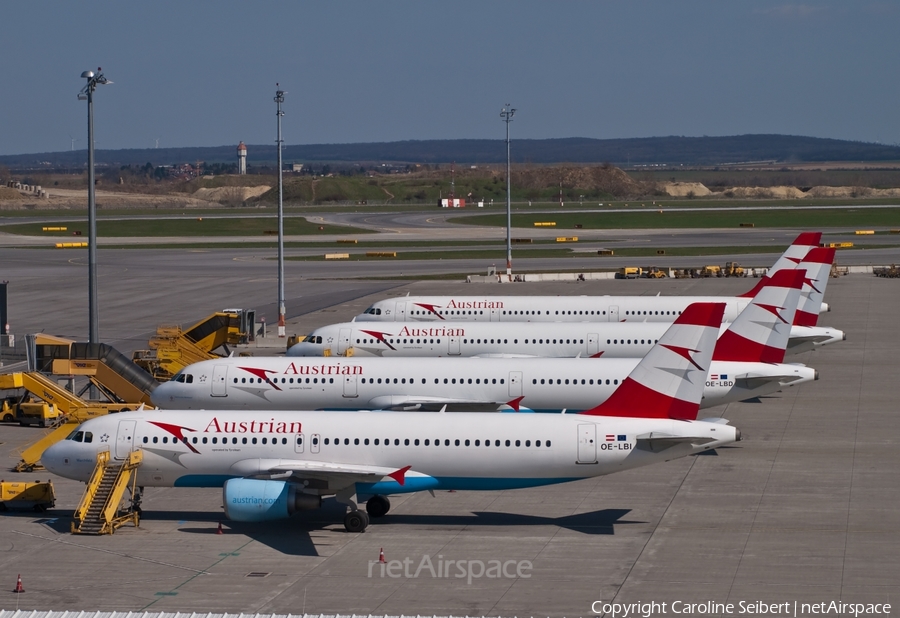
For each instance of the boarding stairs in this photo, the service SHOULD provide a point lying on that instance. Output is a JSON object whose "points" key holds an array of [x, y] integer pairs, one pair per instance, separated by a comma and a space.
{"points": [[99, 512]]}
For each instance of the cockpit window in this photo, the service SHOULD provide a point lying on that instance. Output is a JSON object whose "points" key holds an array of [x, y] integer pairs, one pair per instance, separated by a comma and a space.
{"points": [[313, 339], [373, 311], [184, 378], [81, 436]]}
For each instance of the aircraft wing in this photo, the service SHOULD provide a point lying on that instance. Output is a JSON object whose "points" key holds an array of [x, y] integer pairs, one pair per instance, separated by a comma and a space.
{"points": [[407, 403], [339, 474]]}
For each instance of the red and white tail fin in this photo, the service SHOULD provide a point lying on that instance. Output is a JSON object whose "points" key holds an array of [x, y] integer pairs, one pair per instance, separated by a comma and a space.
{"points": [[668, 382], [761, 331], [790, 259], [817, 265]]}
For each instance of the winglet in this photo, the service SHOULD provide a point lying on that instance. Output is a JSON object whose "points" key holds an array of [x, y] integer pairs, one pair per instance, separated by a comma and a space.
{"points": [[760, 333], [400, 475], [514, 403], [668, 382]]}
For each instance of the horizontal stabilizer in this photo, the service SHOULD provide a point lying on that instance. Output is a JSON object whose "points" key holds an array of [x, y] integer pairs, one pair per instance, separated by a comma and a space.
{"points": [[657, 442]]}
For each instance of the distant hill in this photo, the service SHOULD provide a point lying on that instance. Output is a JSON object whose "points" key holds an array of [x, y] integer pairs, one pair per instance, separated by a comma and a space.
{"points": [[634, 151]]}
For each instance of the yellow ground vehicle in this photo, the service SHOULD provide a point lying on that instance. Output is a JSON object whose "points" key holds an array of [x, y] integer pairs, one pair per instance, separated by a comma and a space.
{"points": [[655, 272], [733, 269], [173, 349], [629, 272], [713, 270], [37, 413], [34, 495]]}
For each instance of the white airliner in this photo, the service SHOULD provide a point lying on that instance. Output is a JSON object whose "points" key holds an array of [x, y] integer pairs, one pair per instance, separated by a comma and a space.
{"points": [[272, 464], [528, 339], [748, 365], [569, 308]]}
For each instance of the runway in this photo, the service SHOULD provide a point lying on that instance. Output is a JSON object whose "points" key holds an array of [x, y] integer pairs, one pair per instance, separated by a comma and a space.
{"points": [[806, 508]]}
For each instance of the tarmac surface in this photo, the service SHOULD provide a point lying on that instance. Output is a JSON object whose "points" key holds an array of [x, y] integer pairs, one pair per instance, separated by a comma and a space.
{"points": [[806, 508]]}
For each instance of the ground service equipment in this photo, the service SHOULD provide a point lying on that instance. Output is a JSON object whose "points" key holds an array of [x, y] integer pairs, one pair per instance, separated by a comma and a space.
{"points": [[173, 349], [629, 272], [33, 495], [99, 511]]}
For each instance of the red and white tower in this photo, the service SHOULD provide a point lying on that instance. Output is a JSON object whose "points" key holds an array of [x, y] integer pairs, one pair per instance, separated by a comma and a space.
{"points": [[242, 159]]}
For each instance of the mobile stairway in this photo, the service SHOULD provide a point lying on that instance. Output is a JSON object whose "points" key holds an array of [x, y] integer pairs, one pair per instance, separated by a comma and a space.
{"points": [[174, 348], [99, 511], [74, 409]]}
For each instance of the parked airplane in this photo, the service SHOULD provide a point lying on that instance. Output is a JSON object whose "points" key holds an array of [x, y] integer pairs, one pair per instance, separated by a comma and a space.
{"points": [[272, 464], [746, 366], [559, 308], [524, 339], [513, 339]]}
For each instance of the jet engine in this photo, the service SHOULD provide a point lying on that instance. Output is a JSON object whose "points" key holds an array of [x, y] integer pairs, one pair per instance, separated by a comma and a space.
{"points": [[258, 500]]}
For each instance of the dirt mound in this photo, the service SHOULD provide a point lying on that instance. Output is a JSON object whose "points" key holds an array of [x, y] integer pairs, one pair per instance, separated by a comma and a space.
{"points": [[230, 194], [779, 193], [10, 194], [685, 189], [852, 192], [603, 178]]}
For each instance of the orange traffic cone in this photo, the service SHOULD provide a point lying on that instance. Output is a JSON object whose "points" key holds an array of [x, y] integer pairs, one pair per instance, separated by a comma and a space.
{"points": [[219, 530], [19, 587], [380, 557]]}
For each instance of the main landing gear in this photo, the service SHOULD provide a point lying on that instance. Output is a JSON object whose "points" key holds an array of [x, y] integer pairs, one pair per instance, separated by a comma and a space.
{"points": [[378, 506], [356, 520]]}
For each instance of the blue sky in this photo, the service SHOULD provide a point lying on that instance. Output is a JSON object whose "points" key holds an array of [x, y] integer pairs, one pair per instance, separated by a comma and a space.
{"points": [[204, 73]]}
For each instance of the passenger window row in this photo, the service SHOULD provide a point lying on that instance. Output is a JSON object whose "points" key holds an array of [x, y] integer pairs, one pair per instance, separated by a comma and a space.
{"points": [[439, 312], [283, 380], [574, 381], [653, 313], [428, 442], [365, 341], [213, 440], [436, 381], [620, 341]]}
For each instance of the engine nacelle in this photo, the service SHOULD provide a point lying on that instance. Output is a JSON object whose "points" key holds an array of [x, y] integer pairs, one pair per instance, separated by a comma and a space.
{"points": [[258, 500]]}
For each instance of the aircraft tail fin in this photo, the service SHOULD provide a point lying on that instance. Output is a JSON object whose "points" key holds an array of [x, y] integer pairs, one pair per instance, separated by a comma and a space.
{"points": [[817, 266], [760, 333], [668, 382], [790, 259]]}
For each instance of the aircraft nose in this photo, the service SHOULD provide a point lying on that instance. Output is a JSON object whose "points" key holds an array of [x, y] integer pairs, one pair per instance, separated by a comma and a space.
{"points": [[161, 395], [54, 458]]}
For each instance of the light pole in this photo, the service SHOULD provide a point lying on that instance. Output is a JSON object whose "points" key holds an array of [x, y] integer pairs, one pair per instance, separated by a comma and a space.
{"points": [[279, 99], [507, 113], [87, 94]]}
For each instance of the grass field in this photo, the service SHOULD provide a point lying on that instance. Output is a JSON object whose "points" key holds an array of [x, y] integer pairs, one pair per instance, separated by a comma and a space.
{"points": [[195, 226], [671, 218]]}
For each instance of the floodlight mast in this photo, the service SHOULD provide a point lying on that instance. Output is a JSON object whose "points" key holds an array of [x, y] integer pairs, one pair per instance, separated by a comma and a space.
{"points": [[87, 94], [507, 113], [279, 99]]}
